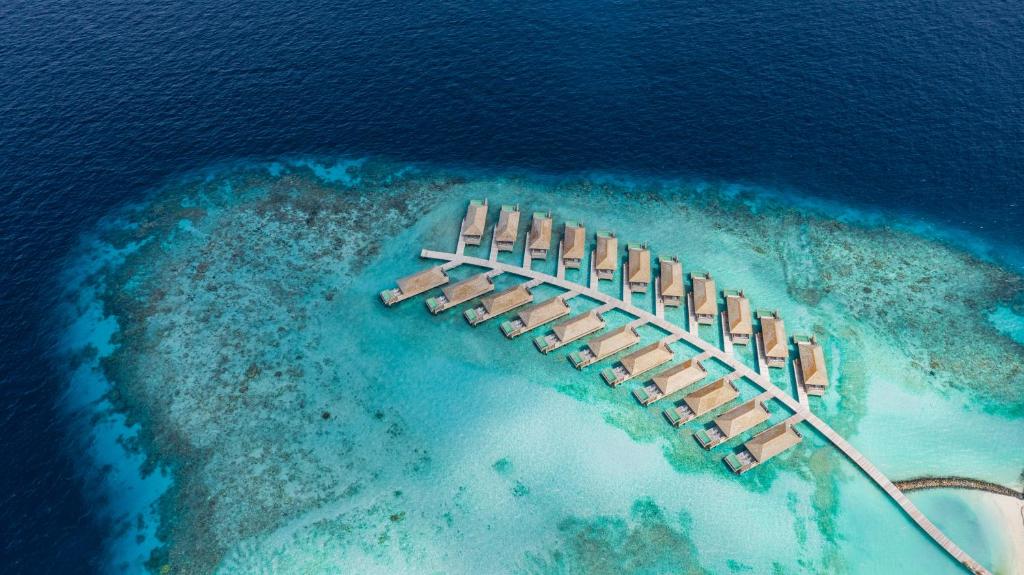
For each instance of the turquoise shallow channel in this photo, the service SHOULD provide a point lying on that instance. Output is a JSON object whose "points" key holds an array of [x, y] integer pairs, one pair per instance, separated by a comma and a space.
{"points": [[256, 409]]}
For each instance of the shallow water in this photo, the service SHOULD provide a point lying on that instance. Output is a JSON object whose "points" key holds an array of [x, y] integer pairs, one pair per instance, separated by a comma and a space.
{"points": [[308, 428]]}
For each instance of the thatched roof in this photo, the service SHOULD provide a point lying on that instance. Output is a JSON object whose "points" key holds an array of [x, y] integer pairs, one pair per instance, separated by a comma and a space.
{"points": [[773, 441], [671, 275], [639, 264], [543, 312], [607, 251], [613, 341], [710, 396], [705, 295], [742, 417], [812, 364], [476, 219], [420, 282], [574, 241], [738, 307], [582, 324], [679, 376], [508, 225], [505, 300], [648, 357], [468, 288], [540, 232], [773, 331]]}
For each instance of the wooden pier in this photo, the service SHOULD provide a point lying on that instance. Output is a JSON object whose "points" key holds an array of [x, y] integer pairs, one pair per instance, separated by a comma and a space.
{"points": [[798, 406]]}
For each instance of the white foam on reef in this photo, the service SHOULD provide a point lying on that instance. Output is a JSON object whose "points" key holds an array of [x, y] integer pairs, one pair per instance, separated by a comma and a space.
{"points": [[451, 448]]}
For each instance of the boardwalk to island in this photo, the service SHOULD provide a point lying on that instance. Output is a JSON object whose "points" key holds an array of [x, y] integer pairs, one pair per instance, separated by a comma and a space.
{"points": [[799, 407]]}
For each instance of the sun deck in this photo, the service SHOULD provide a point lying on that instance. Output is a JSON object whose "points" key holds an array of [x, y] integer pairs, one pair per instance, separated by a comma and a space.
{"points": [[763, 447], [604, 346], [415, 284], [461, 292], [569, 331], [533, 317], [574, 244], [638, 363], [498, 303], [733, 422], [507, 229], [539, 240], [670, 281], [639, 267], [606, 256], [740, 325], [702, 401], [705, 297], [474, 223], [671, 380]]}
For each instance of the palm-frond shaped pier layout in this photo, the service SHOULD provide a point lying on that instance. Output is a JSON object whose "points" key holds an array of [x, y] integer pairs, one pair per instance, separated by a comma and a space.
{"points": [[663, 373]]}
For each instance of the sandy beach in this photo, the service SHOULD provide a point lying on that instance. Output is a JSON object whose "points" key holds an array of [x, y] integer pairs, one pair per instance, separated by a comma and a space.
{"points": [[1011, 512]]}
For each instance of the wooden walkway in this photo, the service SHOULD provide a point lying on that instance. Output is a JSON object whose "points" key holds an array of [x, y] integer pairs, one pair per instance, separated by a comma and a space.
{"points": [[740, 370]]}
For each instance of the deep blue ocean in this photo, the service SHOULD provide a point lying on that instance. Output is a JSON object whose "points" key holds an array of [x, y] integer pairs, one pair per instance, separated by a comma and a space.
{"points": [[914, 108]]}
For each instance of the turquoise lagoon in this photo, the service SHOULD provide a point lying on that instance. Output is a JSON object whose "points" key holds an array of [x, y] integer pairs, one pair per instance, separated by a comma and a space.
{"points": [[226, 339]]}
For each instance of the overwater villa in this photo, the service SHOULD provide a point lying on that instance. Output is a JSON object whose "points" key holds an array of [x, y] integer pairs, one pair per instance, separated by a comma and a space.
{"points": [[811, 365], [732, 423], [569, 331], [574, 243], [414, 284], [606, 257], [670, 281], [763, 446], [498, 303], [535, 316], [704, 400], [539, 240], [639, 267], [671, 380], [737, 310], [460, 292], [705, 297], [637, 363], [507, 229], [604, 346], [773, 338], [474, 223]]}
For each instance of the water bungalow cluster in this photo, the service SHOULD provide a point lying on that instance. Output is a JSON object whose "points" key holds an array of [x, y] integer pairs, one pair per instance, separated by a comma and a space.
{"points": [[663, 370], [654, 365]]}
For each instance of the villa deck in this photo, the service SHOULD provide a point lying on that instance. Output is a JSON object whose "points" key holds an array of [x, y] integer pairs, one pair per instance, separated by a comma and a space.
{"points": [[671, 380], [638, 363], [705, 297], [670, 281], [531, 318], [569, 331], [461, 292], [475, 222], [508, 228], [763, 447], [638, 267], [606, 256], [604, 346], [496, 304], [702, 401], [415, 284], [773, 339], [734, 422], [539, 241], [740, 326]]}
